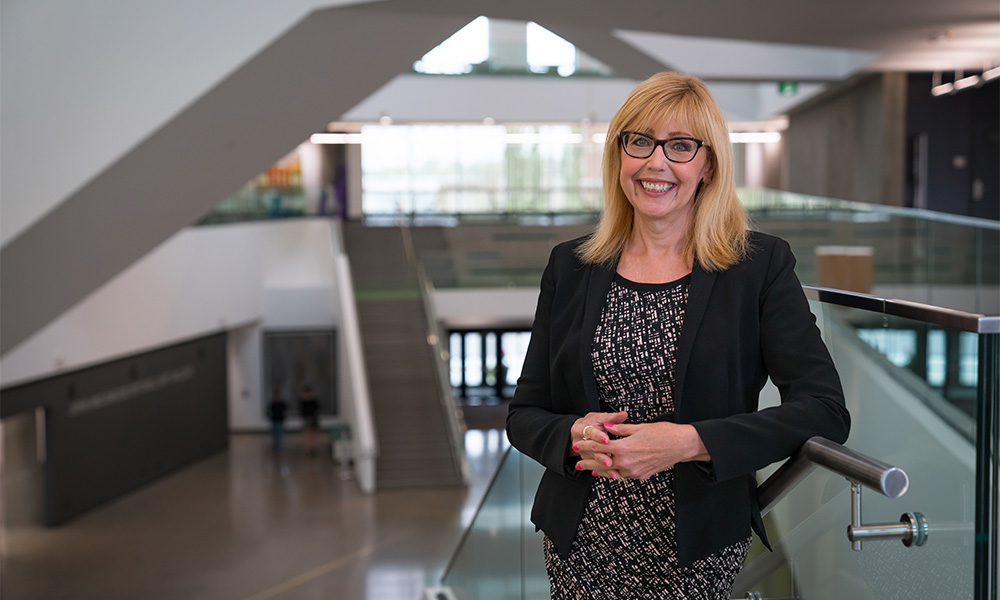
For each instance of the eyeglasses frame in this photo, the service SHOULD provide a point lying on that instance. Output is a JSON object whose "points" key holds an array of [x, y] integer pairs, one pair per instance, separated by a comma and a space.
{"points": [[661, 144]]}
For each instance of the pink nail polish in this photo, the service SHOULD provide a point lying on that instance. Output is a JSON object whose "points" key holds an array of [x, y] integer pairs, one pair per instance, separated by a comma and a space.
{"points": [[578, 467], [614, 476], [609, 424], [605, 463], [604, 440], [576, 447]]}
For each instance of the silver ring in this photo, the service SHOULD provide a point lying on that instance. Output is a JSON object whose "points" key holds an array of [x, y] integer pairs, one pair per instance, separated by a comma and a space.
{"points": [[585, 432]]}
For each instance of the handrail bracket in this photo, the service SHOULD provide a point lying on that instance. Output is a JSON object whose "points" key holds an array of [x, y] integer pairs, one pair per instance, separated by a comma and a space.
{"points": [[911, 528]]}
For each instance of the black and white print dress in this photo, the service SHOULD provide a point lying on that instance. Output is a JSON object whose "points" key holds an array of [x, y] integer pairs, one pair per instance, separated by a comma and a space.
{"points": [[625, 546]]}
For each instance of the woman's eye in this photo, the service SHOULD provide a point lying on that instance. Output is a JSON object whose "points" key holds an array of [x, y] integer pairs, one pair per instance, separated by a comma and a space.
{"points": [[640, 141], [682, 145]]}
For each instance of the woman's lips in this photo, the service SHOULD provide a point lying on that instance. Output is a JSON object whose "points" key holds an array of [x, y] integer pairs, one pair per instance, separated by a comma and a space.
{"points": [[657, 186]]}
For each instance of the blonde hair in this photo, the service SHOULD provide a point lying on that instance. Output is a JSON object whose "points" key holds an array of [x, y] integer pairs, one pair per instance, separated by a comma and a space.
{"points": [[718, 236]]}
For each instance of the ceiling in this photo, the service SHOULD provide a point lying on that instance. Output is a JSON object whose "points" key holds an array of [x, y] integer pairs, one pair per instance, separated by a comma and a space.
{"points": [[840, 38]]}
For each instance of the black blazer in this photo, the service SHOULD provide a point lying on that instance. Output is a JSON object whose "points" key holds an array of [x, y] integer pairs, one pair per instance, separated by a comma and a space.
{"points": [[741, 326]]}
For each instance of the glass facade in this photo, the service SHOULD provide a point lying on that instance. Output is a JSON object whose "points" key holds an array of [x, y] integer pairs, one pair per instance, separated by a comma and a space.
{"points": [[448, 170]]}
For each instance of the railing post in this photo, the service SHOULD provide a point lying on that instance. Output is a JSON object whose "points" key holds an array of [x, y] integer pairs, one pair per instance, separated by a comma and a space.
{"points": [[855, 513]]}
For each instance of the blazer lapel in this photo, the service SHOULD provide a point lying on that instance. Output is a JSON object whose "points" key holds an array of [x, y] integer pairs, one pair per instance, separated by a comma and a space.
{"points": [[598, 285], [701, 288]]}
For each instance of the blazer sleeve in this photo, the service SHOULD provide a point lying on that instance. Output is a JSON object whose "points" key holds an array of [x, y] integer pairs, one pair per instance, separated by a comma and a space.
{"points": [[534, 425], [797, 361]]}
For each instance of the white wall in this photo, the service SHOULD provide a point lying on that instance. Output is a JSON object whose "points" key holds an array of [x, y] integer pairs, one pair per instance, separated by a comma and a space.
{"points": [[243, 278], [195, 283], [84, 82], [420, 98], [486, 307]]}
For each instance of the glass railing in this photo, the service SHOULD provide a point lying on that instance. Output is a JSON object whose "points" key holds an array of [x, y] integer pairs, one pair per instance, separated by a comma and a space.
{"points": [[500, 555], [918, 255], [933, 414], [280, 202], [921, 411]]}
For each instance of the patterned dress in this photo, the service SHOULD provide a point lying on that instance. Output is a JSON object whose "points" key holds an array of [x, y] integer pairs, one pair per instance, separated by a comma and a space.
{"points": [[625, 546]]}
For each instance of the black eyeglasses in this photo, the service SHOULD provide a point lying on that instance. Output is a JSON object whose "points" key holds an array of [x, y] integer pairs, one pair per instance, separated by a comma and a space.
{"points": [[678, 149]]}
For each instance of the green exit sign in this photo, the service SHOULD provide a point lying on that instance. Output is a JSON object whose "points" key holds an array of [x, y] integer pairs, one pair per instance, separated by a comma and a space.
{"points": [[788, 88]]}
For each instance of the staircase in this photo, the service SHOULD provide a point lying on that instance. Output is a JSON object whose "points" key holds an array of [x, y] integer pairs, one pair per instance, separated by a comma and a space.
{"points": [[417, 446]]}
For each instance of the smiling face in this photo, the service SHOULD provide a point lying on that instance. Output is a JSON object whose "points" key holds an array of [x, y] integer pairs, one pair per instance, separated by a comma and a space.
{"points": [[660, 190]]}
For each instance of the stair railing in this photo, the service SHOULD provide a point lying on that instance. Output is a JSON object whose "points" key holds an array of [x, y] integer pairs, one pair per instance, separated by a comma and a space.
{"points": [[365, 449], [453, 415]]}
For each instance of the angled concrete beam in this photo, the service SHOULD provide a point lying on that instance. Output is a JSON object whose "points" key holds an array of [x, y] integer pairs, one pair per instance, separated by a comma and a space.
{"points": [[622, 57], [322, 67]]}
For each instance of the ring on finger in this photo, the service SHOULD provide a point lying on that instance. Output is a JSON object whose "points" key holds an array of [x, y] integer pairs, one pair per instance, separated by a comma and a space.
{"points": [[585, 432]]}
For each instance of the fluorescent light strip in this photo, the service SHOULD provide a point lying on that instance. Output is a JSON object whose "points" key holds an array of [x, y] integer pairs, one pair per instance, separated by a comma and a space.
{"points": [[740, 137], [336, 138], [543, 138], [944, 88], [966, 82], [991, 74], [754, 137], [510, 138]]}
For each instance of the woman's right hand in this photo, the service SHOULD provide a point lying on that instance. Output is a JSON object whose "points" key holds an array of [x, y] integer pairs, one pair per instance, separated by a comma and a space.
{"points": [[593, 450]]}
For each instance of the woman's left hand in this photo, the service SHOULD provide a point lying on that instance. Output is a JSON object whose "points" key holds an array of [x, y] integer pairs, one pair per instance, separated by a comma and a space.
{"points": [[646, 449]]}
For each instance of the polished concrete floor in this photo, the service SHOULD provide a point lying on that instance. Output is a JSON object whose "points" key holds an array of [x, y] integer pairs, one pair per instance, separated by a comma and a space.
{"points": [[246, 525]]}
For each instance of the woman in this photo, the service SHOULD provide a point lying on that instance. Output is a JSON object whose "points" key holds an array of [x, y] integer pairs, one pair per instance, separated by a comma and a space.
{"points": [[652, 339]]}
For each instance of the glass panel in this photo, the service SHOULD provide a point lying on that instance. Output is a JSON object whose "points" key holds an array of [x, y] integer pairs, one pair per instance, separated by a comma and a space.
{"points": [[905, 421], [968, 359], [473, 359], [921, 256], [936, 359], [502, 47], [488, 563], [459, 54], [547, 51], [455, 356], [491, 358], [514, 345], [458, 170], [898, 418]]}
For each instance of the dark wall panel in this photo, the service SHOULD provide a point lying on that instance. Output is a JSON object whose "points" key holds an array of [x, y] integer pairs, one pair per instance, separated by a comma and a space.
{"points": [[114, 427], [962, 137]]}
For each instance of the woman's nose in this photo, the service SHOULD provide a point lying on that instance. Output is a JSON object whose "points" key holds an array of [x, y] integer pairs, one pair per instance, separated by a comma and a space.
{"points": [[658, 158]]}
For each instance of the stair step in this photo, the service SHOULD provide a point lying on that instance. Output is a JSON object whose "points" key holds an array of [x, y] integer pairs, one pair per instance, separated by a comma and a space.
{"points": [[415, 444]]}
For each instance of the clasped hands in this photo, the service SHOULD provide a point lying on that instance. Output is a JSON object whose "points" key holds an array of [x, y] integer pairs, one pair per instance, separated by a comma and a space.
{"points": [[618, 450]]}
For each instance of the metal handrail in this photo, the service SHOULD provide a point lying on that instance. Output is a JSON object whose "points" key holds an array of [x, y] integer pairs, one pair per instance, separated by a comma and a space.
{"points": [[925, 313], [859, 470], [889, 481], [453, 417]]}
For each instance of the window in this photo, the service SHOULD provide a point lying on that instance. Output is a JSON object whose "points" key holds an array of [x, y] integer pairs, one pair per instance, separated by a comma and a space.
{"points": [[463, 169], [485, 364]]}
